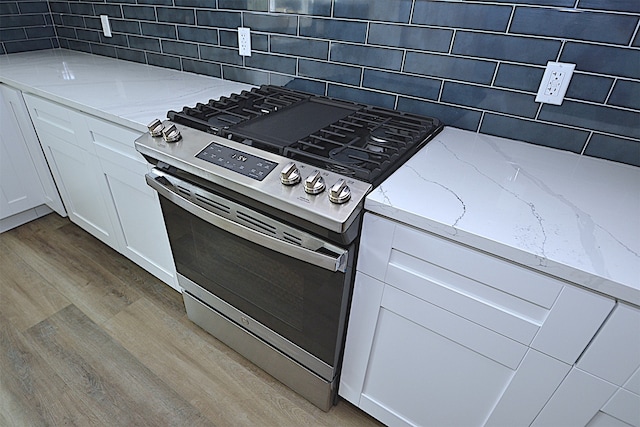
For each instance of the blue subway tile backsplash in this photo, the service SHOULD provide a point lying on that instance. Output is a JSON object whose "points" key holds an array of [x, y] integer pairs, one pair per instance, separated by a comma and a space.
{"points": [[475, 64]]}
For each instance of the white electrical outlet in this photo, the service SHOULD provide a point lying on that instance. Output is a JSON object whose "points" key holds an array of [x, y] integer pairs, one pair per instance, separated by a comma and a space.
{"points": [[555, 82], [106, 28], [244, 41]]}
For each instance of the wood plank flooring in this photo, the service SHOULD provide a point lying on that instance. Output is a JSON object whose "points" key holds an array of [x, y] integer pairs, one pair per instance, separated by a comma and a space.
{"points": [[87, 338]]}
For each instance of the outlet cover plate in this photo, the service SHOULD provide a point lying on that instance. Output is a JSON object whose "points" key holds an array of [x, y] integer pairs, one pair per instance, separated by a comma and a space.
{"points": [[244, 41], [555, 82]]}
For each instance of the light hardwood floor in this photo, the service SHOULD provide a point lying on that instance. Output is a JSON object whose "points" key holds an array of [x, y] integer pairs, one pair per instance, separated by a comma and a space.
{"points": [[88, 338]]}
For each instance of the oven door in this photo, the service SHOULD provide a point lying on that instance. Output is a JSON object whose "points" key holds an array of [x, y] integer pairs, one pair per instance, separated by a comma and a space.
{"points": [[285, 286]]}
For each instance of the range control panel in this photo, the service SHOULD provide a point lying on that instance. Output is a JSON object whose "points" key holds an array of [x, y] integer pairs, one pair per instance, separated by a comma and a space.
{"points": [[237, 161]]}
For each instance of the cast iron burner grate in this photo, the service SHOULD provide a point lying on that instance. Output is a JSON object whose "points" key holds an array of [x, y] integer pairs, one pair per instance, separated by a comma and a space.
{"points": [[359, 141]]}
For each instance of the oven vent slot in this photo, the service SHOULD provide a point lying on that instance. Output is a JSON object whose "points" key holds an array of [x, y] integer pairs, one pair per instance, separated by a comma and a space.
{"points": [[213, 204], [267, 228], [183, 190], [292, 239]]}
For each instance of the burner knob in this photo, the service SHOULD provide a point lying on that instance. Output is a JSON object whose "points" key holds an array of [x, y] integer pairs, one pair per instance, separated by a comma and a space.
{"points": [[314, 183], [340, 192], [155, 128], [290, 175], [171, 134]]}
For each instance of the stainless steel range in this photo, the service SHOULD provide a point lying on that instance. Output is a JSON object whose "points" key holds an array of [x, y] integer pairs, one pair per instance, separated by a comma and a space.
{"points": [[262, 194]]}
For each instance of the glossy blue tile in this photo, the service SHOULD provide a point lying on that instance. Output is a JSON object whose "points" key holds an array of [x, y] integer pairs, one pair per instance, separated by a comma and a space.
{"points": [[164, 31], [195, 34], [201, 67], [75, 8], [559, 3], [131, 55], [189, 50], [428, 39], [55, 6], [65, 32], [520, 77], [86, 35], [124, 26], [451, 116], [99, 49], [113, 10], [361, 96], [535, 133], [588, 87], [615, 149], [300, 47], [304, 85], [462, 15], [490, 99], [209, 18], [618, 5], [243, 75], [593, 117], [449, 67], [574, 24], [507, 48], [144, 43], [13, 34], [72, 44], [253, 5], [165, 61], [387, 10], [626, 94], [330, 72], [609, 60], [315, 7], [93, 23], [390, 59], [11, 8], [29, 20], [43, 7], [143, 13], [333, 29], [202, 4], [220, 54], [115, 40], [158, 2], [282, 24], [280, 64], [420, 87], [176, 15]]}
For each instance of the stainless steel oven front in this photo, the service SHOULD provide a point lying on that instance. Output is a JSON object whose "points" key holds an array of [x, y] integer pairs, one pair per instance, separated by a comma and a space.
{"points": [[273, 292]]}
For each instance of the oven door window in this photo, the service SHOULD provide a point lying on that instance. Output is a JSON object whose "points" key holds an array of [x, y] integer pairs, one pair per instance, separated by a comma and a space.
{"points": [[301, 302]]}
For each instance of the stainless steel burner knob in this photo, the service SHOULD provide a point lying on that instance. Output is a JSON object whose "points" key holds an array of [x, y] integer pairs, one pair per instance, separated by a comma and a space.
{"points": [[171, 134], [314, 184], [155, 128], [340, 192], [290, 175]]}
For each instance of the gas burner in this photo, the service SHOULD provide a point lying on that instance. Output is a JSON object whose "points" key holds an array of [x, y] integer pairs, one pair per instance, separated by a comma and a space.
{"points": [[223, 121], [379, 136]]}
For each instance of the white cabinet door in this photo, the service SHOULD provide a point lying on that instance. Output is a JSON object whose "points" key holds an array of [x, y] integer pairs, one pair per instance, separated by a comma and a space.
{"points": [[441, 334], [25, 180], [74, 167], [142, 233]]}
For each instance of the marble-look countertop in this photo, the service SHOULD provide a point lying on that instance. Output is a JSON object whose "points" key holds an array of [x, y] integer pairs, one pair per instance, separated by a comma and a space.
{"points": [[123, 92], [570, 216]]}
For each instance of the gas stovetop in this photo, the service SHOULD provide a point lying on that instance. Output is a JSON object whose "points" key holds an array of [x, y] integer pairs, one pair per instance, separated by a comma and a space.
{"points": [[312, 157], [358, 141]]}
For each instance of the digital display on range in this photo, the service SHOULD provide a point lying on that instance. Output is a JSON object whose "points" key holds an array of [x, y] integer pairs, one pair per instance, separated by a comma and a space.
{"points": [[237, 161]]}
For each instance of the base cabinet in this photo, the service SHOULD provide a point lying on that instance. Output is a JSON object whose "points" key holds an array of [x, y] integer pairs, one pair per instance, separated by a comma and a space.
{"points": [[442, 335], [27, 190], [101, 180]]}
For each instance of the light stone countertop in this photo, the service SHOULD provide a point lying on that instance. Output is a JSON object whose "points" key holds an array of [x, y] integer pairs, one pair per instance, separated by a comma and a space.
{"points": [[573, 217], [570, 216], [123, 92]]}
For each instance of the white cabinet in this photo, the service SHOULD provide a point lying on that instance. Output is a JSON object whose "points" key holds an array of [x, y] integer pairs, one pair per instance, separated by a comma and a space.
{"points": [[27, 190], [441, 334], [101, 180], [604, 386]]}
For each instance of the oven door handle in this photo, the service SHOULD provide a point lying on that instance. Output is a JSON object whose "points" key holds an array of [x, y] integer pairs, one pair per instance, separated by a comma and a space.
{"points": [[165, 188]]}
